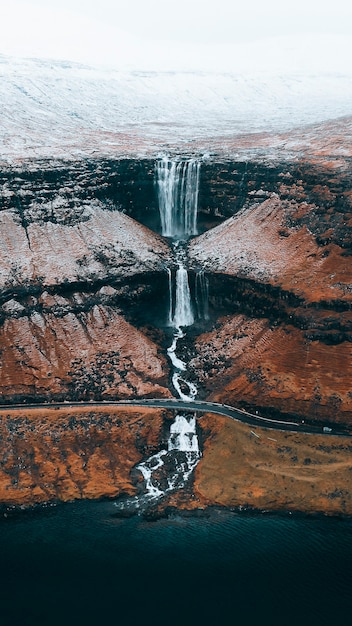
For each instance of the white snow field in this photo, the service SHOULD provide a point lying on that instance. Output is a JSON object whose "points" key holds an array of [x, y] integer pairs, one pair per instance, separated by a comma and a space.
{"points": [[65, 110]]}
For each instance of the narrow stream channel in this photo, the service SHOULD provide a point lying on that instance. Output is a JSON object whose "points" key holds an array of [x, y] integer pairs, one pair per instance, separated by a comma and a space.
{"points": [[171, 468]]}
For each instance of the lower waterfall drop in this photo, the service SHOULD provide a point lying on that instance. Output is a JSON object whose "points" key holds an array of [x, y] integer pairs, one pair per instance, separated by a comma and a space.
{"points": [[183, 315], [180, 316], [170, 469], [202, 295]]}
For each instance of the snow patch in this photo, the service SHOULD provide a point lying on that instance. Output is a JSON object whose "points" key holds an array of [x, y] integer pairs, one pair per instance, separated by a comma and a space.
{"points": [[69, 111]]}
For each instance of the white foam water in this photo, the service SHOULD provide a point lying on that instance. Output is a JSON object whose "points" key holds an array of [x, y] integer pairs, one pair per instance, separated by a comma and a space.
{"points": [[178, 199], [183, 435], [183, 315], [178, 188]]}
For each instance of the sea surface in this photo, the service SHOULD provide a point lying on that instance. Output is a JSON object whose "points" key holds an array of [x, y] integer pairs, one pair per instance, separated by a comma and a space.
{"points": [[78, 563]]}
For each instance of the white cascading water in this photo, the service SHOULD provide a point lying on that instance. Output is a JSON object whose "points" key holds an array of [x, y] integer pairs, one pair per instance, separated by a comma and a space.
{"points": [[178, 201], [202, 295], [170, 295], [178, 185], [170, 469], [183, 315]]}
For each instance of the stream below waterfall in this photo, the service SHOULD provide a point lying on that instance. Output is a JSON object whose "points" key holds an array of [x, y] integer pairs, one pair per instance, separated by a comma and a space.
{"points": [[171, 468]]}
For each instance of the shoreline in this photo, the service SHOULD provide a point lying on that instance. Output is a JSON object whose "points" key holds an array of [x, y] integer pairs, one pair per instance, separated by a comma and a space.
{"points": [[75, 454]]}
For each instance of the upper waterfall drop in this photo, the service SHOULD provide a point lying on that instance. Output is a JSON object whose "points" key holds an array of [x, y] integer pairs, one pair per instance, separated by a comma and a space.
{"points": [[178, 189]]}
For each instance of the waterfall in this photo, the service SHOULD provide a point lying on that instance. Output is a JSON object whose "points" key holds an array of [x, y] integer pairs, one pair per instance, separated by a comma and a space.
{"points": [[202, 295], [190, 390], [181, 311], [170, 469], [170, 295], [183, 435], [147, 468], [183, 315], [167, 470], [178, 188]]}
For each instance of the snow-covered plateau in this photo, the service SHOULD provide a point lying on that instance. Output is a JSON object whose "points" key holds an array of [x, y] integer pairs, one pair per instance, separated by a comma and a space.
{"points": [[53, 109]]}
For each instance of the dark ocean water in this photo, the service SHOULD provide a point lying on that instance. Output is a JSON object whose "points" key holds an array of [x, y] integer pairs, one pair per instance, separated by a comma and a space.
{"points": [[78, 564]]}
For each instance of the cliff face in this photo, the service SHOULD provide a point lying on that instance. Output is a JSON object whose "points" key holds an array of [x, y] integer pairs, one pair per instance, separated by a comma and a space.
{"points": [[53, 245], [68, 280], [273, 243], [90, 354], [275, 368], [280, 285], [74, 264], [63, 191], [60, 455]]}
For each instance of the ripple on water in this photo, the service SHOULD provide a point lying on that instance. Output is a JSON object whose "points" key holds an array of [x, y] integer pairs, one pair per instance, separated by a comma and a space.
{"points": [[213, 568]]}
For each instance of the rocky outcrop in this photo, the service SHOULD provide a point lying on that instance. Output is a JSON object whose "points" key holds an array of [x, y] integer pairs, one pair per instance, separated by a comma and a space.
{"points": [[59, 455], [65, 191], [65, 354], [83, 244], [268, 243], [275, 369], [284, 280], [68, 279]]}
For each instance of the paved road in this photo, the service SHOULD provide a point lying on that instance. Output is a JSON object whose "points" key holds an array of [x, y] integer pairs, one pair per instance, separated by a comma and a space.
{"points": [[236, 414], [196, 405]]}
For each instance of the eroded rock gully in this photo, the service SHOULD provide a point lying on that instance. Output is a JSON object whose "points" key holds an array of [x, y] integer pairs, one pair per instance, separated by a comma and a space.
{"points": [[84, 300]]}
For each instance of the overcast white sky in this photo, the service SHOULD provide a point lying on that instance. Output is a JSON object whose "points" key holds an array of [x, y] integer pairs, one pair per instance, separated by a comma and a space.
{"points": [[182, 34]]}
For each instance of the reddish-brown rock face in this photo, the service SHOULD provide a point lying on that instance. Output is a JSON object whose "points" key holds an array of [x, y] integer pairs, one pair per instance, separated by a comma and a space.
{"points": [[272, 470], [42, 247], [266, 244], [250, 362], [68, 276], [50, 455], [280, 275], [85, 355]]}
